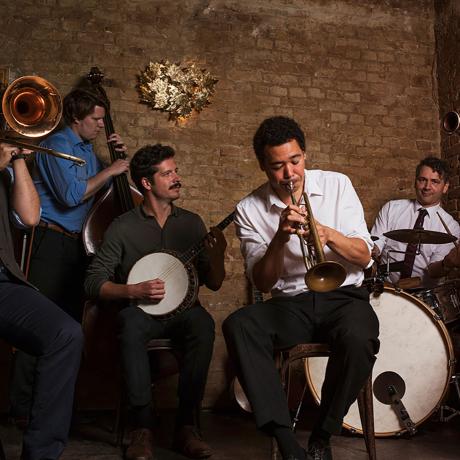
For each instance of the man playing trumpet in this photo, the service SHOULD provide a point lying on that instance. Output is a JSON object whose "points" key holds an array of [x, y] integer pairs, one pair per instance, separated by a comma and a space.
{"points": [[267, 223]]}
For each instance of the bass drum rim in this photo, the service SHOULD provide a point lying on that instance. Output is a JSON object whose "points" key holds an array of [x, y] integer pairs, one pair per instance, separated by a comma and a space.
{"points": [[438, 323]]}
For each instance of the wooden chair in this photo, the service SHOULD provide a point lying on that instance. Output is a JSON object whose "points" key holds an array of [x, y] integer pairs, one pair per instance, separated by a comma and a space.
{"points": [[102, 350], [285, 358], [153, 346]]}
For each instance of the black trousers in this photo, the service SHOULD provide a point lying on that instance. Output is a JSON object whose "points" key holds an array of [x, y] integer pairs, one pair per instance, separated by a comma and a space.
{"points": [[192, 331], [30, 322], [57, 269], [343, 318]]}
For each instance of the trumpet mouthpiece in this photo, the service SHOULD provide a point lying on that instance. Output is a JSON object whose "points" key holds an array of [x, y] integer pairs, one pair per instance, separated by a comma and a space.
{"points": [[289, 186]]}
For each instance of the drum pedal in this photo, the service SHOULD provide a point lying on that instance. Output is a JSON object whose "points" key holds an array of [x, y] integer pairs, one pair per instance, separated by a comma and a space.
{"points": [[451, 412], [389, 388]]}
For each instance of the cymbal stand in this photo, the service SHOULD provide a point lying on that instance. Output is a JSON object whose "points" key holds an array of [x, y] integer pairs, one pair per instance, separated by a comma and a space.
{"points": [[451, 412]]}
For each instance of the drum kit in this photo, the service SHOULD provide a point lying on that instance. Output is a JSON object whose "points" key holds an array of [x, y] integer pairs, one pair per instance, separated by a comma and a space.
{"points": [[416, 363]]}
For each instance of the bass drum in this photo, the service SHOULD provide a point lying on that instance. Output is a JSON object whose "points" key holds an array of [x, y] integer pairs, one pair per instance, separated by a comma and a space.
{"points": [[416, 346]]}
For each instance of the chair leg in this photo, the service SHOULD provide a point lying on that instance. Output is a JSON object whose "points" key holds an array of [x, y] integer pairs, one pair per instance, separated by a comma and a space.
{"points": [[2, 452], [274, 449], [366, 411]]}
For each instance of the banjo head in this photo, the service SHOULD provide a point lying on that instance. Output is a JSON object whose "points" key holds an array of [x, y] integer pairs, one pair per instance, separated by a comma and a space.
{"points": [[173, 272]]}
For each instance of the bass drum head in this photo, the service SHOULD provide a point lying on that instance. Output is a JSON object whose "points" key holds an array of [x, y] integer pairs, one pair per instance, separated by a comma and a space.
{"points": [[415, 346], [168, 268]]}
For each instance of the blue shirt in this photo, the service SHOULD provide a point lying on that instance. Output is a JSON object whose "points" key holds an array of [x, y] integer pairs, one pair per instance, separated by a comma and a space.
{"points": [[61, 184]]}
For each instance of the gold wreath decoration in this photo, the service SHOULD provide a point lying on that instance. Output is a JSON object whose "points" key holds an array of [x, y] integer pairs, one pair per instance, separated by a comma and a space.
{"points": [[176, 89]]}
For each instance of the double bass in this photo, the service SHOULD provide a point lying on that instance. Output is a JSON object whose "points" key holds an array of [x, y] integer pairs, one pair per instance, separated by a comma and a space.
{"points": [[99, 374], [120, 197]]}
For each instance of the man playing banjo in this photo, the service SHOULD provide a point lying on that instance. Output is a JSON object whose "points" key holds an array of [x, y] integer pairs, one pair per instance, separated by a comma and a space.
{"points": [[158, 225]]}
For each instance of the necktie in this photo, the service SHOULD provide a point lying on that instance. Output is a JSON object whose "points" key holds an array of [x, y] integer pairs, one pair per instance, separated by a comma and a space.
{"points": [[411, 249]]}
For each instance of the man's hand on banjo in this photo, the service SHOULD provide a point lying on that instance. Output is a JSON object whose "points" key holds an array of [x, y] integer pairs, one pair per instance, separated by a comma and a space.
{"points": [[215, 244], [151, 290]]}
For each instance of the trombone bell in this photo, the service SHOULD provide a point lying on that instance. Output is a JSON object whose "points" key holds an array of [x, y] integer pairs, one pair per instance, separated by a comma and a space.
{"points": [[451, 122], [32, 106]]}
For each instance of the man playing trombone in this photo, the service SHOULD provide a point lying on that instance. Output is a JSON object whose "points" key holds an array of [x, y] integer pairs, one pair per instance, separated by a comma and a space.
{"points": [[31, 322], [267, 225]]}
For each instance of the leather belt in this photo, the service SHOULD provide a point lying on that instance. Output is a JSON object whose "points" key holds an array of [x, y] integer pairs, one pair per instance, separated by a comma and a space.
{"points": [[59, 229]]}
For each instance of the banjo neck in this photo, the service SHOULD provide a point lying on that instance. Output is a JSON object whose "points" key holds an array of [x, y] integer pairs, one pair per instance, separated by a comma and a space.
{"points": [[193, 251]]}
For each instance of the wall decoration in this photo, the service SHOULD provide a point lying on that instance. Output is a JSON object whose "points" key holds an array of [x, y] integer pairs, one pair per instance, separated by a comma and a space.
{"points": [[176, 89]]}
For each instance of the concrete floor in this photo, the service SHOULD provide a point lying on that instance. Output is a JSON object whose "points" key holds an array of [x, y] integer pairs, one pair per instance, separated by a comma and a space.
{"points": [[233, 436]]}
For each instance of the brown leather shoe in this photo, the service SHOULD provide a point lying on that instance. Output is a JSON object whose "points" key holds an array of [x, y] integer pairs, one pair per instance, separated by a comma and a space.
{"points": [[140, 445], [188, 441]]}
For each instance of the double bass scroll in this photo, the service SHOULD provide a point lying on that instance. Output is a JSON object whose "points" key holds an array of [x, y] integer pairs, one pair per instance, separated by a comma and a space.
{"points": [[120, 197]]}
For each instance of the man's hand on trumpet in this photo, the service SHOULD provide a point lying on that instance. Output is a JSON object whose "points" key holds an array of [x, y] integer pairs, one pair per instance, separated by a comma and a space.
{"points": [[292, 221]]}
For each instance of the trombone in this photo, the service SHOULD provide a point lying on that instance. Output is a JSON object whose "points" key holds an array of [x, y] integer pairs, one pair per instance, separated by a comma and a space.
{"points": [[32, 107], [451, 122], [322, 275]]}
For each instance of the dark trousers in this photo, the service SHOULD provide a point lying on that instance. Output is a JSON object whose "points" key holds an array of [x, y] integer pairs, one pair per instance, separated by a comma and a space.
{"points": [[192, 331], [30, 322], [342, 318], [57, 268]]}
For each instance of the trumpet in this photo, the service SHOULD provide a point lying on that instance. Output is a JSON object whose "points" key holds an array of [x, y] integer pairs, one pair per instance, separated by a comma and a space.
{"points": [[322, 275], [32, 107]]}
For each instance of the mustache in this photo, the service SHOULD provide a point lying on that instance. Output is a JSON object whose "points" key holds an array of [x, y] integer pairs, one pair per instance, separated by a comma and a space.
{"points": [[175, 185]]}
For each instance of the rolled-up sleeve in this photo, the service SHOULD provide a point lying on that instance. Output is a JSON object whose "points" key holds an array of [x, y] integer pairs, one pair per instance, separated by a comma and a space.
{"points": [[105, 262], [66, 181], [352, 221], [253, 247]]}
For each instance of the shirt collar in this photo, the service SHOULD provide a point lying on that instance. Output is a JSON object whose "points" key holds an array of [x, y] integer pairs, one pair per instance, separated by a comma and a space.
{"points": [[311, 187], [74, 138], [432, 210], [175, 211]]}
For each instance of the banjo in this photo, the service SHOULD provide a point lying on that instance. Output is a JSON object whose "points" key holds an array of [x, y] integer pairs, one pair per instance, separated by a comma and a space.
{"points": [[178, 273]]}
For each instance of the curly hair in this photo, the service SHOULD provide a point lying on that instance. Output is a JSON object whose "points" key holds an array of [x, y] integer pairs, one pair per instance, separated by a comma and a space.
{"points": [[145, 160], [79, 103], [437, 165], [276, 131]]}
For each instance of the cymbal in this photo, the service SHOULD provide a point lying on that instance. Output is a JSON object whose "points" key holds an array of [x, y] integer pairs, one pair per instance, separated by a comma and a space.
{"points": [[420, 236]]}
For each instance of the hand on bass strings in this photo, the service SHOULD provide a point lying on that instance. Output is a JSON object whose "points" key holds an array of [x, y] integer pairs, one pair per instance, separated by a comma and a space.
{"points": [[151, 290], [119, 145]]}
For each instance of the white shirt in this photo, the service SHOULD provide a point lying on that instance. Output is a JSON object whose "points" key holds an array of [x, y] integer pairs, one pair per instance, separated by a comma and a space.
{"points": [[334, 203], [402, 214]]}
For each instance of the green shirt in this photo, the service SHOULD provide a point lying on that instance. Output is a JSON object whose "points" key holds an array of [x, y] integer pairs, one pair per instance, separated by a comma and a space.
{"points": [[134, 235]]}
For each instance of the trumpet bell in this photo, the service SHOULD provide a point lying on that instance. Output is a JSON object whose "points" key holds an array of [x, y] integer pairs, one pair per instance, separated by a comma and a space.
{"points": [[32, 106], [451, 122], [325, 276]]}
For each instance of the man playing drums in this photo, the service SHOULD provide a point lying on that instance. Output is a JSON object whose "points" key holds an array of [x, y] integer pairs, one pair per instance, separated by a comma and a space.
{"points": [[431, 261]]}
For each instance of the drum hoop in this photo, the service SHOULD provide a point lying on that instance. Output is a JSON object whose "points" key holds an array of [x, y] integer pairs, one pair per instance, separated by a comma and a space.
{"points": [[450, 363]]}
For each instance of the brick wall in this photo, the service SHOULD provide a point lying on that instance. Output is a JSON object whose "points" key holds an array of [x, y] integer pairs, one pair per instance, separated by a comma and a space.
{"points": [[358, 76], [448, 68]]}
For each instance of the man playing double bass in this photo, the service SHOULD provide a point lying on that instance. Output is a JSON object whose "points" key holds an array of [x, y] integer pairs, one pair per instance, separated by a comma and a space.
{"points": [[58, 261], [157, 224], [267, 222]]}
